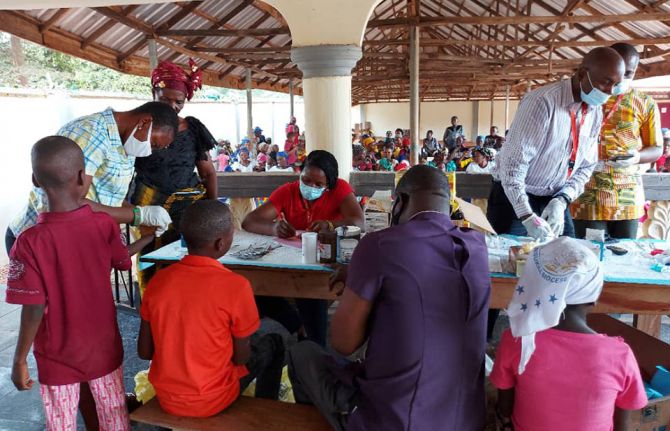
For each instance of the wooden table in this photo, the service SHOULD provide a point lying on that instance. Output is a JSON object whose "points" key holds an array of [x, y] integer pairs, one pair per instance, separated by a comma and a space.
{"points": [[281, 273]]}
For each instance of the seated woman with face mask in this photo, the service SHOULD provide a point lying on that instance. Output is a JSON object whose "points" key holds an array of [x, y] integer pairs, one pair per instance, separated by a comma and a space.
{"points": [[319, 201]]}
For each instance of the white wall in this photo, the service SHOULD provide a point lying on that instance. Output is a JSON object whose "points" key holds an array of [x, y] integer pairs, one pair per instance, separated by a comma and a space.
{"points": [[28, 116], [435, 116]]}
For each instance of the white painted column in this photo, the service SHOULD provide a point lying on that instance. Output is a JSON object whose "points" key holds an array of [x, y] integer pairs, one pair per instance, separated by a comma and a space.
{"points": [[250, 119], [475, 120], [326, 43], [493, 102], [414, 100], [326, 86]]}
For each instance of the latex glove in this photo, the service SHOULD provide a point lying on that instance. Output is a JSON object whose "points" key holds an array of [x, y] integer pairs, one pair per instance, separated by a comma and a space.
{"points": [[635, 160], [537, 227], [554, 214], [155, 215]]}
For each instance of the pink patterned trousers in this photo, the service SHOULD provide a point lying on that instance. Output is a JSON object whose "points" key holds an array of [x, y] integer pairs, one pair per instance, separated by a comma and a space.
{"points": [[61, 402]]}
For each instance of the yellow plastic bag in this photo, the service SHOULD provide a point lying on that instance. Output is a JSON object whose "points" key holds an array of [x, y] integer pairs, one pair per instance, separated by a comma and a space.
{"points": [[285, 388], [144, 390]]}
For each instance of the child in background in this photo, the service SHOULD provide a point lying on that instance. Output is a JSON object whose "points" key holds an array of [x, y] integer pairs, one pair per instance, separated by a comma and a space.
{"points": [[282, 163], [60, 273], [562, 375], [291, 147], [387, 163], [222, 160], [482, 161], [244, 164], [199, 323]]}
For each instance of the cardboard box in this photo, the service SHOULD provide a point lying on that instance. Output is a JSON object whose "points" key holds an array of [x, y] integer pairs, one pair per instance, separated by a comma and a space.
{"points": [[649, 352]]}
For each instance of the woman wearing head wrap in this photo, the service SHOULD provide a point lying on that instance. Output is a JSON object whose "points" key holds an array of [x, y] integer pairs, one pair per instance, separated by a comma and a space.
{"points": [[482, 161], [168, 177], [553, 372]]}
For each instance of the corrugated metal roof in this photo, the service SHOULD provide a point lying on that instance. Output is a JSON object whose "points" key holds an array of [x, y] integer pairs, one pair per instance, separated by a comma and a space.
{"points": [[452, 65]]}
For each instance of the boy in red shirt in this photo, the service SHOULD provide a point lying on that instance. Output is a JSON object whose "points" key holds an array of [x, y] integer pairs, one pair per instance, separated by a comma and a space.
{"points": [[199, 321], [60, 273]]}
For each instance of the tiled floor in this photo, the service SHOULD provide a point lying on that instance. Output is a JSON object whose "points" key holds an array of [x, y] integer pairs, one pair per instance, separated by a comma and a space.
{"points": [[22, 411]]}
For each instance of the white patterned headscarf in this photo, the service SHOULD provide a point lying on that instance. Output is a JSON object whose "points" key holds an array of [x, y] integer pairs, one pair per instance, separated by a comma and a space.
{"points": [[562, 272]]}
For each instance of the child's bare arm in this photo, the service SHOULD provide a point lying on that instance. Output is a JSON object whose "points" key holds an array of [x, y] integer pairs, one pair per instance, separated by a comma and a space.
{"points": [[145, 341], [31, 318], [621, 419], [138, 245], [504, 409], [241, 350]]}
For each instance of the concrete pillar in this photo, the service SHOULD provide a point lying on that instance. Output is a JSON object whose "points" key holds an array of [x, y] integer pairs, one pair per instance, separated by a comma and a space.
{"points": [[326, 86], [153, 53], [414, 97], [250, 119], [326, 44], [475, 120], [290, 96], [493, 102], [506, 108]]}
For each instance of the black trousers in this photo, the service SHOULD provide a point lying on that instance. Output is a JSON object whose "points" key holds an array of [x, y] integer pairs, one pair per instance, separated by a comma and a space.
{"points": [[502, 217], [615, 228], [265, 365], [311, 313], [315, 382]]}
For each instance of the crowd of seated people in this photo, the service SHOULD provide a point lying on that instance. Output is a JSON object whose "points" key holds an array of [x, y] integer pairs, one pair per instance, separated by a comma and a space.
{"points": [[260, 154], [393, 152]]}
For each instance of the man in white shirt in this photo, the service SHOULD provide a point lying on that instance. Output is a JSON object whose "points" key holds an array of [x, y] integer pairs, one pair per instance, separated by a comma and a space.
{"points": [[550, 152]]}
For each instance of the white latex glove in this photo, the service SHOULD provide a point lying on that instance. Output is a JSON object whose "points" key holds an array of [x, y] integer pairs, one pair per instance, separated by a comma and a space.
{"points": [[538, 228], [155, 215], [635, 160], [554, 214]]}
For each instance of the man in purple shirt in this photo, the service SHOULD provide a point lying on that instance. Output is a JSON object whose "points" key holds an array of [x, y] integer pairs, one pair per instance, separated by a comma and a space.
{"points": [[418, 293]]}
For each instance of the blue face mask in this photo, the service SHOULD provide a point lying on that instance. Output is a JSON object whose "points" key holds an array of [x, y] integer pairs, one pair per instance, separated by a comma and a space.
{"points": [[594, 97], [622, 87], [311, 193]]}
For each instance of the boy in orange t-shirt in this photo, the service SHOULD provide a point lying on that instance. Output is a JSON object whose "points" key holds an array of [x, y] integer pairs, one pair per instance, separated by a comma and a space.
{"points": [[199, 321]]}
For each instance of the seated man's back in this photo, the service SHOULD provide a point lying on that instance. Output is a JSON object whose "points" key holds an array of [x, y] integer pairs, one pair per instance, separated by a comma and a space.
{"points": [[429, 284]]}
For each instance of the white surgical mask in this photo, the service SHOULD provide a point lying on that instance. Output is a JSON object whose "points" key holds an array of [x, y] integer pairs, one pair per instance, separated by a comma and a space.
{"points": [[137, 148], [622, 87], [595, 97]]}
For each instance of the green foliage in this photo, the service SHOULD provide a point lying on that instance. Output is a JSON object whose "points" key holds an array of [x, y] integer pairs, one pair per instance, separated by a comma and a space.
{"points": [[47, 69]]}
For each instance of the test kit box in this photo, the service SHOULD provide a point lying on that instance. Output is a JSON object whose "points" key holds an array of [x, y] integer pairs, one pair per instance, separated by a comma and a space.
{"points": [[649, 352]]}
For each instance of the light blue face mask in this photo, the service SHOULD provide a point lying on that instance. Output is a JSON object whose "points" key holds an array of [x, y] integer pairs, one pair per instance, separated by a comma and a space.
{"points": [[311, 193], [622, 87], [595, 97]]}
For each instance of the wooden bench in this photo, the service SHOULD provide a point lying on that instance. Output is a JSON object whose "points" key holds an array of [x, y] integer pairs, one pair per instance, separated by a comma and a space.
{"points": [[246, 414]]}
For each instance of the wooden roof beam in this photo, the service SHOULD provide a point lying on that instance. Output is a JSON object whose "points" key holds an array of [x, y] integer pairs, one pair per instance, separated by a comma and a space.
{"points": [[519, 19], [561, 44], [173, 20], [241, 32], [106, 26], [57, 16]]}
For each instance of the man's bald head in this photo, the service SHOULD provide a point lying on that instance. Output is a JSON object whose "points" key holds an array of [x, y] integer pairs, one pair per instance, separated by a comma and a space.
{"points": [[57, 162], [601, 68], [424, 179], [422, 188]]}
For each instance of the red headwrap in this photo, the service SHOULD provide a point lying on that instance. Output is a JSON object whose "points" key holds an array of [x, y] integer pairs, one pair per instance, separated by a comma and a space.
{"points": [[169, 75]]}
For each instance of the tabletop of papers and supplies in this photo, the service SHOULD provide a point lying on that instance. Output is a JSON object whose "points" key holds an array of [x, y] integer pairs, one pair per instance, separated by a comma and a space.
{"points": [[253, 250]]}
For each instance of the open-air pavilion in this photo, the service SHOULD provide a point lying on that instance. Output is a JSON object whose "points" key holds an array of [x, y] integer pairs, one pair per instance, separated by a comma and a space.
{"points": [[417, 50], [338, 54]]}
